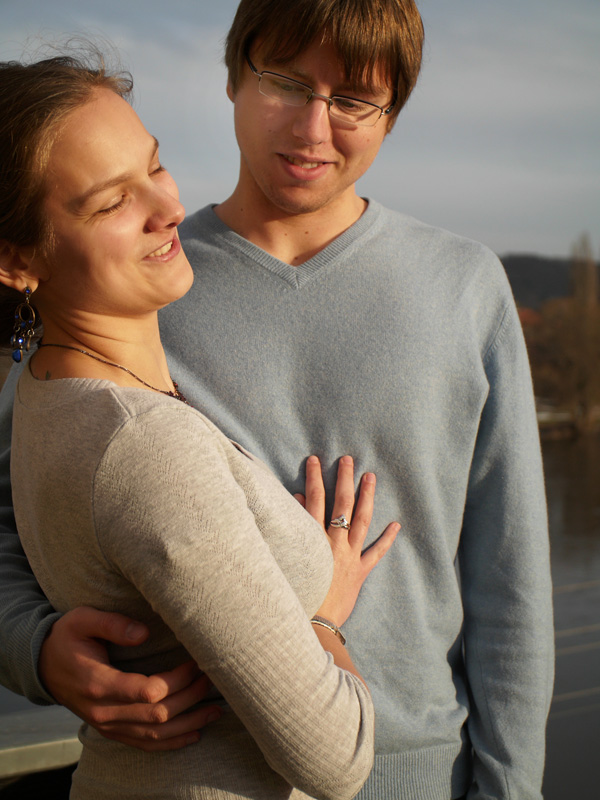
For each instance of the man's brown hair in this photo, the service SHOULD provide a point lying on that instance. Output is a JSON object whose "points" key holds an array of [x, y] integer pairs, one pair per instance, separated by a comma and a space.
{"points": [[375, 39]]}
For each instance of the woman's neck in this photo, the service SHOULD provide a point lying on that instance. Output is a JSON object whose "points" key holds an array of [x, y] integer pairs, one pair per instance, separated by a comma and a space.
{"points": [[126, 352]]}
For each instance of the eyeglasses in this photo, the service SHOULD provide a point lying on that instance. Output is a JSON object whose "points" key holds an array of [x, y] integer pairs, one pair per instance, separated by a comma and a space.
{"points": [[293, 93]]}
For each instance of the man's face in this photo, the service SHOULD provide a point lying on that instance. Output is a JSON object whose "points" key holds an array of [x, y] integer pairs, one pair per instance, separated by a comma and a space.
{"points": [[293, 159]]}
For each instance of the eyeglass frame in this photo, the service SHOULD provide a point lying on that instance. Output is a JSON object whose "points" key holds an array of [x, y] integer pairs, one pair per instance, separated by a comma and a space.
{"points": [[382, 111]]}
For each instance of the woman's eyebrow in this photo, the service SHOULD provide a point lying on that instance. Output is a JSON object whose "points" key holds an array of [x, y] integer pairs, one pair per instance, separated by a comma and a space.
{"points": [[80, 201]]}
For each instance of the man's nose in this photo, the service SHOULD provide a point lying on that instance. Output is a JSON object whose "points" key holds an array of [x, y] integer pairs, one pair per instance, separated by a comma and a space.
{"points": [[312, 123]]}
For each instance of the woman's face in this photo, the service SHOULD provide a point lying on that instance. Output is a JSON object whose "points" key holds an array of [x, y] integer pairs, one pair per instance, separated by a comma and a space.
{"points": [[113, 212]]}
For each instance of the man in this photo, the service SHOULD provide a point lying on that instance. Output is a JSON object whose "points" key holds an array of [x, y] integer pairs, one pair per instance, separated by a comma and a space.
{"points": [[320, 322]]}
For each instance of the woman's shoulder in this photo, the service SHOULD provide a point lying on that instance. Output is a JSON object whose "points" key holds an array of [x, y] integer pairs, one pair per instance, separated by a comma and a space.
{"points": [[156, 426], [158, 415], [99, 412]]}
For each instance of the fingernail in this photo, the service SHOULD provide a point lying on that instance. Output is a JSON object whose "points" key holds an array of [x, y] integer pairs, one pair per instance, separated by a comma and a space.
{"points": [[193, 738], [135, 631], [369, 477], [313, 460], [346, 459], [213, 716]]}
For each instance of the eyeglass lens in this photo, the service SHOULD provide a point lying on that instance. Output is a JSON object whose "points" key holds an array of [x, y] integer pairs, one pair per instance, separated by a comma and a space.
{"points": [[293, 93]]}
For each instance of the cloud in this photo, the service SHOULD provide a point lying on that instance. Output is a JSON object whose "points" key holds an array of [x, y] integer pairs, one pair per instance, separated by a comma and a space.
{"points": [[499, 141]]}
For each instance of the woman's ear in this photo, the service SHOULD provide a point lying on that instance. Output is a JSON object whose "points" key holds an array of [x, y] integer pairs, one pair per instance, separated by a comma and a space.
{"points": [[16, 267]]}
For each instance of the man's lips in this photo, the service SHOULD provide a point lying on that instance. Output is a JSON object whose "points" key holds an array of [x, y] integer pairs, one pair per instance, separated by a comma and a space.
{"points": [[303, 162], [305, 168]]}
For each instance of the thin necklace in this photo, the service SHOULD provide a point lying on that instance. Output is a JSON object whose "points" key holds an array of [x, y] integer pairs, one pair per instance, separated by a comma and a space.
{"points": [[175, 393]]}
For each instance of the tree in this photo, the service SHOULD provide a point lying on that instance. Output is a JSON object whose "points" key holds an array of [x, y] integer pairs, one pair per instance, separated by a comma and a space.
{"points": [[565, 344], [584, 275]]}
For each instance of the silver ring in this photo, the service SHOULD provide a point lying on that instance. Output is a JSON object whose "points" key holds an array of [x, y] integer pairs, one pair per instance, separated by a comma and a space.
{"points": [[340, 522]]}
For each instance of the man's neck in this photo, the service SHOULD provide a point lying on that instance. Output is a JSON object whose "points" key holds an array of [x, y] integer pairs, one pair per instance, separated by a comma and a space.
{"points": [[291, 238]]}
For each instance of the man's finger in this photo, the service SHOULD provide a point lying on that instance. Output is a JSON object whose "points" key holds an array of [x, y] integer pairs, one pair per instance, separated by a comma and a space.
{"points": [[110, 626], [178, 732], [110, 688], [167, 683]]}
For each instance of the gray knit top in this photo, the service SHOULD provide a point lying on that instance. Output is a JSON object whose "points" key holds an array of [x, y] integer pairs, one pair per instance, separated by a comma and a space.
{"points": [[131, 501]]}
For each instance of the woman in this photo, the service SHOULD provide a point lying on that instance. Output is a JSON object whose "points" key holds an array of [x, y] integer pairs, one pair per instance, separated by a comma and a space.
{"points": [[128, 499]]}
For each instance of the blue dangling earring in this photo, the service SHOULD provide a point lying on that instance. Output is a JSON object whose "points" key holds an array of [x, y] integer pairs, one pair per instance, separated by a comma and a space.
{"points": [[23, 328]]}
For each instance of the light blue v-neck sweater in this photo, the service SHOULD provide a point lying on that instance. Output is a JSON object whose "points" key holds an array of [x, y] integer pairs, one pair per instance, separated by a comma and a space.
{"points": [[399, 344]]}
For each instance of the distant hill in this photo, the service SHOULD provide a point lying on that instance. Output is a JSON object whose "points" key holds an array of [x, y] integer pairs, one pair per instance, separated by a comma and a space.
{"points": [[536, 279]]}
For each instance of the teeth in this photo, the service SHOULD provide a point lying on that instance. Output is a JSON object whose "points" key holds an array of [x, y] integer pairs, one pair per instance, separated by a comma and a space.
{"points": [[161, 251], [303, 164]]}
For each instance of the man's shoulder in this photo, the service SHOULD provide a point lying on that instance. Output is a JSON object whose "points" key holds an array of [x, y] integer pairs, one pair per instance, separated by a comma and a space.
{"points": [[431, 250], [426, 234], [199, 224]]}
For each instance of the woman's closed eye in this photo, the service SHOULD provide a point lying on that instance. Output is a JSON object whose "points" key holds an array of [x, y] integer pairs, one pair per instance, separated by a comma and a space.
{"points": [[114, 207], [156, 169]]}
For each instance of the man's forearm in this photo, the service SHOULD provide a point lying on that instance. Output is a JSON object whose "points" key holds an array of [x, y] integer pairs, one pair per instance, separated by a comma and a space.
{"points": [[25, 614], [506, 586], [25, 620]]}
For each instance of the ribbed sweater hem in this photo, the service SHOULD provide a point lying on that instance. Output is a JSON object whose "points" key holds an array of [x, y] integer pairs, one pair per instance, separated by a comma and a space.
{"points": [[438, 773]]}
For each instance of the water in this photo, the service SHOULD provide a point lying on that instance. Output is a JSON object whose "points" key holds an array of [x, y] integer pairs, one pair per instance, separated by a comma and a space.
{"points": [[573, 485]]}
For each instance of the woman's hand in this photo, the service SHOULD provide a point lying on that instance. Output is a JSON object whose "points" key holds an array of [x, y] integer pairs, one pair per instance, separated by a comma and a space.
{"points": [[351, 564]]}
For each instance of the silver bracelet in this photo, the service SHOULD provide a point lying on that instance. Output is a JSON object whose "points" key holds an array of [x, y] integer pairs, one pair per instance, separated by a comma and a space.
{"points": [[325, 623]]}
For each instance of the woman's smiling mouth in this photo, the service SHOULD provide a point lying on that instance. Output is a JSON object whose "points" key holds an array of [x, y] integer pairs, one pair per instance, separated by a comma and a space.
{"points": [[168, 250], [161, 251]]}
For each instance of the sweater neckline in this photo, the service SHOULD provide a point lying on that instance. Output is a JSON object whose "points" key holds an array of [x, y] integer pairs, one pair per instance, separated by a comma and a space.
{"points": [[35, 393], [296, 276]]}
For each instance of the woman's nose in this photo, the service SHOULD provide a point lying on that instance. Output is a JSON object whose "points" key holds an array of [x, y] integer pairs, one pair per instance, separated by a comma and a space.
{"points": [[166, 211]]}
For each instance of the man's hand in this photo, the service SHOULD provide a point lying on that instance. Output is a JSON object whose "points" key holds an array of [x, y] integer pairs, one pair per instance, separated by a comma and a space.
{"points": [[137, 710]]}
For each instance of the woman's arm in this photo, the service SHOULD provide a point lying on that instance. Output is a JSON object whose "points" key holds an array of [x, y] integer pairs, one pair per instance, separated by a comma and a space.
{"points": [[62, 658], [180, 529]]}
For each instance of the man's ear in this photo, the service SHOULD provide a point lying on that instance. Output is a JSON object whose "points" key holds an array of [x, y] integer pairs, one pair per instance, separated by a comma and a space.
{"points": [[230, 92], [16, 267]]}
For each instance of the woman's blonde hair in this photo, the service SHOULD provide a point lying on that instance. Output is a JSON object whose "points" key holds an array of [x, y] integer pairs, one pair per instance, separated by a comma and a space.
{"points": [[35, 99]]}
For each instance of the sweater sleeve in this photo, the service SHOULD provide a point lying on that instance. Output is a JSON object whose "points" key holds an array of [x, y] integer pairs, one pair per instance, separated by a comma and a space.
{"points": [[25, 614], [177, 525], [505, 574]]}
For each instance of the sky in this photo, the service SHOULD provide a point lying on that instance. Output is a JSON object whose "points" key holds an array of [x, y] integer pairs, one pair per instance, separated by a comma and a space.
{"points": [[500, 141]]}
